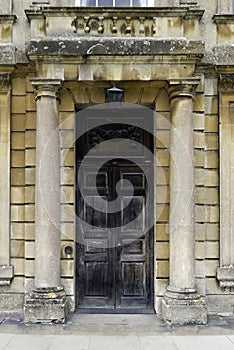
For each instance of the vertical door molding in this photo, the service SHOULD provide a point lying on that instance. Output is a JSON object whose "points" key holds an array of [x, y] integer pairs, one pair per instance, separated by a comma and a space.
{"points": [[225, 273], [6, 270]]}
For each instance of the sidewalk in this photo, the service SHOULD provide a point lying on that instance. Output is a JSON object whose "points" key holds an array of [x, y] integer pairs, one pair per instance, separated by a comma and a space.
{"points": [[112, 332]]}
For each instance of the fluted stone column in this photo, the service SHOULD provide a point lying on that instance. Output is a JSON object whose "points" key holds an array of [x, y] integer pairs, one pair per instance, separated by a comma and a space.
{"points": [[47, 302], [181, 303]]}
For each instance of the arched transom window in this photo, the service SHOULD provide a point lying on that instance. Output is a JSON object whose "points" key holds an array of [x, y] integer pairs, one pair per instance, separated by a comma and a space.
{"points": [[115, 3]]}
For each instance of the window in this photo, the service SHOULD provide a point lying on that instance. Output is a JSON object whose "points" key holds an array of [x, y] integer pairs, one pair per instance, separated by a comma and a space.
{"points": [[117, 3]]}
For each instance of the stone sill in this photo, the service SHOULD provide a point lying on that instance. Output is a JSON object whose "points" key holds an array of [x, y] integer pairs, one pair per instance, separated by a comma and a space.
{"points": [[121, 12], [225, 275], [6, 274]]}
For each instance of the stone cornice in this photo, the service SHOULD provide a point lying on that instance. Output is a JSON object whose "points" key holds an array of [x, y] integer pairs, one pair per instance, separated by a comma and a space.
{"points": [[91, 46], [223, 19], [119, 11], [8, 18]]}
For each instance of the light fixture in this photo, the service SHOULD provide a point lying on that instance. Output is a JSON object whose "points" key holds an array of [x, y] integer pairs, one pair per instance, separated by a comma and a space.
{"points": [[114, 94]]}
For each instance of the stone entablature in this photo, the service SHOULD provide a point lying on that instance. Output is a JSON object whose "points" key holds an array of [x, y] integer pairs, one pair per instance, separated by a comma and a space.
{"points": [[120, 22]]}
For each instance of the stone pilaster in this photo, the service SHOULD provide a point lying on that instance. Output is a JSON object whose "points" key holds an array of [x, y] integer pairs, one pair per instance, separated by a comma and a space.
{"points": [[181, 303], [47, 302], [225, 272], [6, 270]]}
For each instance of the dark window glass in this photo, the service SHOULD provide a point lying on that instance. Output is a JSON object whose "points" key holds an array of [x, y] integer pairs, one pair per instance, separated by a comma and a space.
{"points": [[137, 3], [122, 3], [88, 3], [105, 2]]}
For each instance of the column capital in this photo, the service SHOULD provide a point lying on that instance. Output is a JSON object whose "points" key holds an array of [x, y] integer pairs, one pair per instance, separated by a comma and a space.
{"points": [[182, 87], [46, 87], [226, 83], [5, 80]]}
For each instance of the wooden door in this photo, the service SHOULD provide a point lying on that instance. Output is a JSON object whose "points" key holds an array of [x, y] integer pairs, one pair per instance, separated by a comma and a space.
{"points": [[114, 269]]}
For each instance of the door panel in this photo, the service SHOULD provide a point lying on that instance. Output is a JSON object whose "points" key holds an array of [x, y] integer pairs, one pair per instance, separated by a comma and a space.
{"points": [[95, 266]]}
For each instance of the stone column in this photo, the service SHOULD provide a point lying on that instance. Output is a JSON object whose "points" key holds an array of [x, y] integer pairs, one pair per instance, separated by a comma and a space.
{"points": [[181, 303], [47, 302]]}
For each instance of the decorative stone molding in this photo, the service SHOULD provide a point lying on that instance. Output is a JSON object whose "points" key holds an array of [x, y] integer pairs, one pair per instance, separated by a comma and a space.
{"points": [[226, 83], [4, 83], [188, 2], [6, 270], [181, 303]]}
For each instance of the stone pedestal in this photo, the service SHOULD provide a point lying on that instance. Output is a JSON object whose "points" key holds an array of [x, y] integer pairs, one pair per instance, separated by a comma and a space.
{"points": [[181, 303], [46, 305], [47, 302]]}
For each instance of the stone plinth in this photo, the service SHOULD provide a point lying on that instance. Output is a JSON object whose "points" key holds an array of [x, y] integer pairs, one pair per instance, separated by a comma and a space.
{"points": [[182, 308], [46, 305]]}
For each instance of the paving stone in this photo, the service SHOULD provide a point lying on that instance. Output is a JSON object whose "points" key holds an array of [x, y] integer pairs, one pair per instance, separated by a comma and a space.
{"points": [[70, 342], [28, 342], [203, 343], [4, 340], [114, 343], [157, 342]]}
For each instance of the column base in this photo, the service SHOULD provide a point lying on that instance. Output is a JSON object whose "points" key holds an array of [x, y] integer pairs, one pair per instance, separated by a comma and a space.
{"points": [[46, 305], [184, 308]]}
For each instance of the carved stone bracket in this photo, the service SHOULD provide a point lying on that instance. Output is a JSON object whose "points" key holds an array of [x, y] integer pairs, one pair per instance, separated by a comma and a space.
{"points": [[226, 83]]}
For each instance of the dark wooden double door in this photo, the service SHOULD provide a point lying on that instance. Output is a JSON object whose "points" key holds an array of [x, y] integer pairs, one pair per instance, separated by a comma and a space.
{"points": [[114, 247], [114, 252]]}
